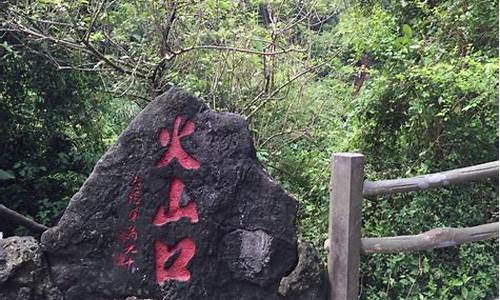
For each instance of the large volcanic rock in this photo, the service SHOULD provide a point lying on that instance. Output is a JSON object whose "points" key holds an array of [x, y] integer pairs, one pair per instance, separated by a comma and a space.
{"points": [[178, 208]]}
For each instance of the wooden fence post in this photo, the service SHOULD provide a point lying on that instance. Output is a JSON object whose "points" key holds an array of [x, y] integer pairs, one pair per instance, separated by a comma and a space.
{"points": [[346, 190]]}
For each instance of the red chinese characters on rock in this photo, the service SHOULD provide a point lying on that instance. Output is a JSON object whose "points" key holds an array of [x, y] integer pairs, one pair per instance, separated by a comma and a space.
{"points": [[171, 260], [175, 212], [127, 238], [175, 149]]}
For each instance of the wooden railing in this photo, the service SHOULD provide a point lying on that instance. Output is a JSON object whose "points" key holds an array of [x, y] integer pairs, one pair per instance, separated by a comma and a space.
{"points": [[346, 192]]}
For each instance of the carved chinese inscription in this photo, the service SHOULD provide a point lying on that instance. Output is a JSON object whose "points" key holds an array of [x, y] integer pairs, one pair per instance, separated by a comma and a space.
{"points": [[127, 238], [175, 149], [175, 211], [172, 260]]}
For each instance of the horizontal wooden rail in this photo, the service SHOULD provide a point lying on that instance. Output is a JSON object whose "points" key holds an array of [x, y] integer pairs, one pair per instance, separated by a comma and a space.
{"points": [[387, 187], [432, 239]]}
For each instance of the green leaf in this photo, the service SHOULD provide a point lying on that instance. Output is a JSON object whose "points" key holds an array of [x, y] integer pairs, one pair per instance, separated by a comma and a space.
{"points": [[96, 37], [50, 1], [258, 45], [6, 175], [407, 32]]}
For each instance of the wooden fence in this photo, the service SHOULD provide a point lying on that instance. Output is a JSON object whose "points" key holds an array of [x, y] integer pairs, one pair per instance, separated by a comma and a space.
{"points": [[347, 189]]}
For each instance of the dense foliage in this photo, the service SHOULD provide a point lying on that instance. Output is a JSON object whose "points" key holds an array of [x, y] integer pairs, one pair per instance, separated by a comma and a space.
{"points": [[54, 127], [413, 85]]}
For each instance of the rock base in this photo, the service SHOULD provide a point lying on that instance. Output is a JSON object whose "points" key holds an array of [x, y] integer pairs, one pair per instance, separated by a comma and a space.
{"points": [[24, 272]]}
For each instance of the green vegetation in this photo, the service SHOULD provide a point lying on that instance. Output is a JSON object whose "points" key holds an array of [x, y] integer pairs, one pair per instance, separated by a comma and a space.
{"points": [[413, 85]]}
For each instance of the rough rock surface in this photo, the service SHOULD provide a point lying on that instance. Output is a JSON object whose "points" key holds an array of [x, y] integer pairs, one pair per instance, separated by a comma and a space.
{"points": [[178, 208], [308, 281], [23, 271]]}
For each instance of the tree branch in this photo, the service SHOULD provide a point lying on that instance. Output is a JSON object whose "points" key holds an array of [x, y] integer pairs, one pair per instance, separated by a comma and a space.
{"points": [[110, 62], [94, 19], [87, 47], [168, 27], [228, 48], [21, 220], [276, 91]]}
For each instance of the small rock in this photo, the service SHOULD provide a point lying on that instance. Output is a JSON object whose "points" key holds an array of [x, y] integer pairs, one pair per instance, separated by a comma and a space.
{"points": [[24, 272], [308, 281]]}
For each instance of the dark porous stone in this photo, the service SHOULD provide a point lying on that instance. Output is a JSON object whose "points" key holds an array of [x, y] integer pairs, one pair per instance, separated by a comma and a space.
{"points": [[228, 234], [23, 271], [308, 281]]}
